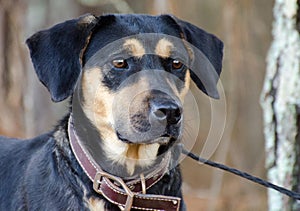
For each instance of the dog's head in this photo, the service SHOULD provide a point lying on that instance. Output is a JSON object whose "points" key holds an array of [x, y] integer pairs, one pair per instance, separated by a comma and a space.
{"points": [[131, 73]]}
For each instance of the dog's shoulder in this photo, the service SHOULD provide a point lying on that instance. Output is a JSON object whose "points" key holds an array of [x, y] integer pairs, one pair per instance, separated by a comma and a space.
{"points": [[35, 174], [16, 158], [16, 152]]}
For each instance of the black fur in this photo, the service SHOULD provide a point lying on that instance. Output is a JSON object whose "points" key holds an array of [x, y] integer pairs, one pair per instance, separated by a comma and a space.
{"points": [[42, 173], [55, 54], [210, 46]]}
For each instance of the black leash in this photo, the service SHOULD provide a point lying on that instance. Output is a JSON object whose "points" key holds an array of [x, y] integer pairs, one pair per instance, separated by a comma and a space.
{"points": [[245, 175]]}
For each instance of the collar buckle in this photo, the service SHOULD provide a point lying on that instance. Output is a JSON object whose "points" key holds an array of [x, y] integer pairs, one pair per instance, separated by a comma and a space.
{"points": [[97, 187]]}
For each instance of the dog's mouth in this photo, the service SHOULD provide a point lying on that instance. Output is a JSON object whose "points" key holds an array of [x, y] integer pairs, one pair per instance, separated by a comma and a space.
{"points": [[162, 140], [165, 142]]}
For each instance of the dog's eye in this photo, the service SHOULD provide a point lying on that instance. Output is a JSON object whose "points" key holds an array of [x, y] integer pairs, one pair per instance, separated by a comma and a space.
{"points": [[120, 63], [176, 64]]}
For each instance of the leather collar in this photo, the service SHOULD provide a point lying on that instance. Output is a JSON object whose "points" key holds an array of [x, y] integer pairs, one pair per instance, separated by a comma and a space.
{"points": [[126, 194]]}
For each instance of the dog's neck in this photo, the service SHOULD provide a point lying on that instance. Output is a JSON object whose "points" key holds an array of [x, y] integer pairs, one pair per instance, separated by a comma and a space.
{"points": [[91, 141]]}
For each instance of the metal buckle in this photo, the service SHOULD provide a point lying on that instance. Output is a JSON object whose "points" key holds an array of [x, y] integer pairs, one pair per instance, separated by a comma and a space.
{"points": [[97, 182], [143, 183], [97, 185]]}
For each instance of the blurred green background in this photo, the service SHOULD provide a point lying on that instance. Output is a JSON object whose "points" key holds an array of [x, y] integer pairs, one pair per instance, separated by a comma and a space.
{"points": [[245, 28]]}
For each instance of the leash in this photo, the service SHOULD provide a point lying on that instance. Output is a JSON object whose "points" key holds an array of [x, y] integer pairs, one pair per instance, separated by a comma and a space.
{"points": [[243, 174]]}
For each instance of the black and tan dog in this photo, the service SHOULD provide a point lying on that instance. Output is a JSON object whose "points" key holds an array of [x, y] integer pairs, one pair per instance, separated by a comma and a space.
{"points": [[127, 76]]}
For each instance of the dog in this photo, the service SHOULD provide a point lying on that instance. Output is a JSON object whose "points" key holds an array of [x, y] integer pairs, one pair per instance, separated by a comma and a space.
{"points": [[118, 147]]}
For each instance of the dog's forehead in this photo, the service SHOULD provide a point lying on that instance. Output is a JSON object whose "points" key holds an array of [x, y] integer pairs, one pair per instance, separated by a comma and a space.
{"points": [[119, 27], [134, 24]]}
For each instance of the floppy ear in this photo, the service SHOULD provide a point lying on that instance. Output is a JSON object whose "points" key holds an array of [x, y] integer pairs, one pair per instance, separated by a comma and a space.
{"points": [[56, 54], [208, 58]]}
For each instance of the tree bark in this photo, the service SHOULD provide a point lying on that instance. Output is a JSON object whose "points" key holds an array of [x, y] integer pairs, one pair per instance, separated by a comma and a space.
{"points": [[12, 68], [280, 101]]}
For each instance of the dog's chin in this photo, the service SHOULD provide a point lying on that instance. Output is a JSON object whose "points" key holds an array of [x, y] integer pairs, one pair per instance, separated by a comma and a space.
{"points": [[140, 156], [162, 140], [165, 142]]}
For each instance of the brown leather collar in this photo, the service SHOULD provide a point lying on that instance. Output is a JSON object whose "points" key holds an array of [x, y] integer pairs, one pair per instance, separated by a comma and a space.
{"points": [[126, 194]]}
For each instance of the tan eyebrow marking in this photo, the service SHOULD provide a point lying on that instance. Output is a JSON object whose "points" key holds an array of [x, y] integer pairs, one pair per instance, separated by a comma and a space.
{"points": [[164, 48], [135, 47]]}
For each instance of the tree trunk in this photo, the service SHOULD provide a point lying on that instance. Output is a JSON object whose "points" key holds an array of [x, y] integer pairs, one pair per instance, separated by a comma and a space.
{"points": [[280, 101], [12, 68]]}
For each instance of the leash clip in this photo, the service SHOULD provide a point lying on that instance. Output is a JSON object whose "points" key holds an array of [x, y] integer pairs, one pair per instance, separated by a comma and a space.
{"points": [[97, 187]]}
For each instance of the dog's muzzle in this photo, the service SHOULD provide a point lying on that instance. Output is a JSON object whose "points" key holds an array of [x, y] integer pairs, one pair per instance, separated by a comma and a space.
{"points": [[158, 122]]}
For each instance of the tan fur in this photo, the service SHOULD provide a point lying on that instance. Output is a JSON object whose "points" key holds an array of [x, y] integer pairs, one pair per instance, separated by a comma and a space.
{"points": [[133, 151], [96, 204], [140, 154], [134, 47], [148, 151], [163, 48], [83, 21], [187, 83], [87, 19]]}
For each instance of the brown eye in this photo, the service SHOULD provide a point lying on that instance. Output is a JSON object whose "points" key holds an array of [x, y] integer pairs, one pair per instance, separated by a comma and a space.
{"points": [[176, 64], [119, 63]]}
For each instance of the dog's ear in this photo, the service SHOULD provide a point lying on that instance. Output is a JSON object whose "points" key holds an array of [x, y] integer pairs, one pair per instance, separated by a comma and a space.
{"points": [[56, 54], [209, 59]]}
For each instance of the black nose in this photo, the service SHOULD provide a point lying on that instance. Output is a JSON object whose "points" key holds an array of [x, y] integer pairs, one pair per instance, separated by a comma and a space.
{"points": [[167, 111]]}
